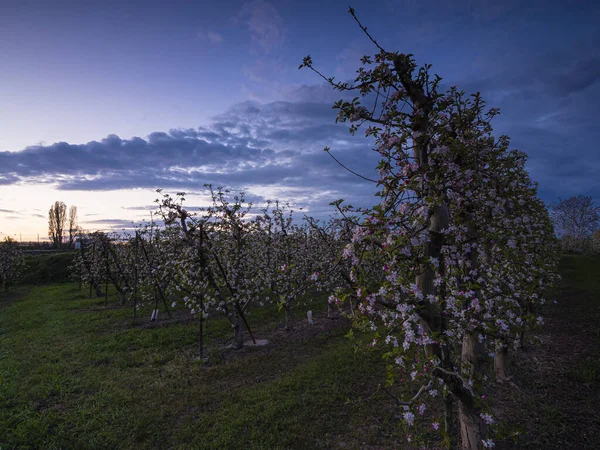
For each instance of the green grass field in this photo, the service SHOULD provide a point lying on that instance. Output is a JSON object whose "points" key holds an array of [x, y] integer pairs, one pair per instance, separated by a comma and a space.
{"points": [[75, 374]]}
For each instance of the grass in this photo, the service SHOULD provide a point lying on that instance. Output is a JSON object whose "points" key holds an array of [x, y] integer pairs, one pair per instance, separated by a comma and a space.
{"points": [[587, 371], [559, 380], [75, 374]]}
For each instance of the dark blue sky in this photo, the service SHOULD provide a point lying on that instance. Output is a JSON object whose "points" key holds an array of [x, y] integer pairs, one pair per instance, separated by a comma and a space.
{"points": [[105, 96]]}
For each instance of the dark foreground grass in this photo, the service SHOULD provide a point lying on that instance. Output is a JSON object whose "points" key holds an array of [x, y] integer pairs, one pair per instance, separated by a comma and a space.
{"points": [[75, 374], [557, 403]]}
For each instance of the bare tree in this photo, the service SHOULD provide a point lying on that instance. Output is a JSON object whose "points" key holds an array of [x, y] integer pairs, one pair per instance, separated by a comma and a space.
{"points": [[72, 225], [577, 216], [57, 218]]}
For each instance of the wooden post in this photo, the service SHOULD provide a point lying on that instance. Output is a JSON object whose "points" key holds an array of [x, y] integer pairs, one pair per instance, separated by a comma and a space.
{"points": [[135, 274]]}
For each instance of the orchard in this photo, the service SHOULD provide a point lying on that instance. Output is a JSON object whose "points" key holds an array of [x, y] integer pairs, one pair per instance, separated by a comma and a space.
{"points": [[447, 272], [445, 275]]}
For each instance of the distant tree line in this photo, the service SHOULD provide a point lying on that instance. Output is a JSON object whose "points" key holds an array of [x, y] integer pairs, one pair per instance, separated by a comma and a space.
{"points": [[577, 222]]}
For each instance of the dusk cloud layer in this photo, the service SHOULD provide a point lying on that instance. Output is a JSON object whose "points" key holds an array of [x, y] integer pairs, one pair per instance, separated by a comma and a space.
{"points": [[251, 144]]}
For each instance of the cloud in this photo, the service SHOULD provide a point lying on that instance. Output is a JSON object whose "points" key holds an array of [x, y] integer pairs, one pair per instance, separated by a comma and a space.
{"points": [[583, 74], [554, 73], [119, 224], [109, 221], [8, 211], [261, 148], [140, 208], [116, 224], [317, 93], [6, 179], [210, 36], [269, 69], [168, 153], [264, 24]]}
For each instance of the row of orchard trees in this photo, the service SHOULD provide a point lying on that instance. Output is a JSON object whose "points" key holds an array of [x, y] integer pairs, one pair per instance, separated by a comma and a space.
{"points": [[466, 248], [12, 263], [227, 258]]}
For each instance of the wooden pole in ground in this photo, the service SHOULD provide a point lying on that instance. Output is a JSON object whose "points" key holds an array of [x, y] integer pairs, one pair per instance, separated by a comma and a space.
{"points": [[135, 274], [106, 276]]}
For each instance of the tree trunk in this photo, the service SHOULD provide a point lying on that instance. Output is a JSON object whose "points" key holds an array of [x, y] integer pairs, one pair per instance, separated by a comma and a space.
{"points": [[238, 332], [471, 429], [201, 335], [471, 425], [449, 416], [351, 305], [288, 316], [522, 340], [424, 280], [501, 364]]}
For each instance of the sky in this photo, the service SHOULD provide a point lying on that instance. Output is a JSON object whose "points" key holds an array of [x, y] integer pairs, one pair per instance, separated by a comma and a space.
{"points": [[102, 103]]}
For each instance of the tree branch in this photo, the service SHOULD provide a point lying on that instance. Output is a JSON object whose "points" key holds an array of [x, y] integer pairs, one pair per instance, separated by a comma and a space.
{"points": [[351, 11], [348, 169], [412, 400]]}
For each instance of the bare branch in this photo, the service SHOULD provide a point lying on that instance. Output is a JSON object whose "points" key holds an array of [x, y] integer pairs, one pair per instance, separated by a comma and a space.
{"points": [[351, 11], [348, 169]]}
